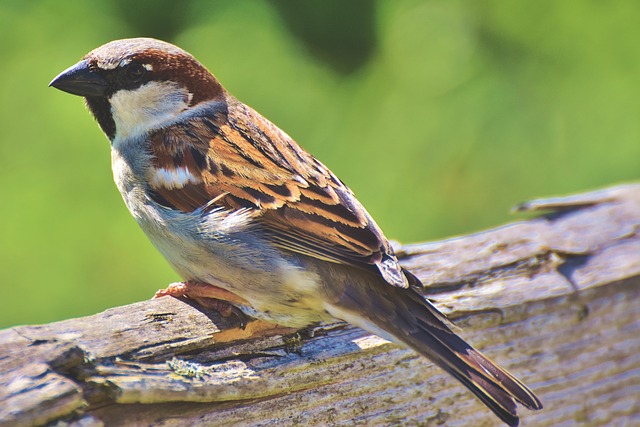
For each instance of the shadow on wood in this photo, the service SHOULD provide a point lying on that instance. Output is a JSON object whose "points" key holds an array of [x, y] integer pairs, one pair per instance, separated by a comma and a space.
{"points": [[553, 299]]}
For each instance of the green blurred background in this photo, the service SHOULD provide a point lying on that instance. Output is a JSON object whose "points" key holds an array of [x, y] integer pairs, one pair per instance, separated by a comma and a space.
{"points": [[440, 115]]}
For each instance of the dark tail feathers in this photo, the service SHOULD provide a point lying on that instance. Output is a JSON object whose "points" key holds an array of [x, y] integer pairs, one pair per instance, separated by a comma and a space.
{"points": [[413, 320]]}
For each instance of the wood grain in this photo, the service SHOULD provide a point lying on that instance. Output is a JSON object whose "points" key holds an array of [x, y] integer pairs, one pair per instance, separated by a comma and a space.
{"points": [[554, 299]]}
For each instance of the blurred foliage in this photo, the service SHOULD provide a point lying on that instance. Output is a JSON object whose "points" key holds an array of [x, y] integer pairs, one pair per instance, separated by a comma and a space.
{"points": [[161, 19], [439, 114], [340, 33]]}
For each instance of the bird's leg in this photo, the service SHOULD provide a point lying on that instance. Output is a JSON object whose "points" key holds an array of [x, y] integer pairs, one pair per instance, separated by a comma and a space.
{"points": [[196, 290], [208, 296]]}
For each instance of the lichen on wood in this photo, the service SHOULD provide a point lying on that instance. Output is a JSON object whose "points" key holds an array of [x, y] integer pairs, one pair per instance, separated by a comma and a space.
{"points": [[554, 299]]}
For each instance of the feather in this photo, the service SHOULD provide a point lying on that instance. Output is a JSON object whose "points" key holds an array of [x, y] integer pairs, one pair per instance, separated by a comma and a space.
{"points": [[236, 159], [410, 319]]}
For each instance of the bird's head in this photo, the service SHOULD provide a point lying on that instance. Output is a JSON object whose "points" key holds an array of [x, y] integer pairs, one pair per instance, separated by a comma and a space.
{"points": [[134, 85]]}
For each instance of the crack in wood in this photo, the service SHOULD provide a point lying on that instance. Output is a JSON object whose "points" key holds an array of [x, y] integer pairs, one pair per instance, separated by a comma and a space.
{"points": [[554, 300]]}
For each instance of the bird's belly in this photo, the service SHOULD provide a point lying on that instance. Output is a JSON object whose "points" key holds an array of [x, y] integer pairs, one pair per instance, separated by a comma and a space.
{"points": [[278, 288], [222, 249]]}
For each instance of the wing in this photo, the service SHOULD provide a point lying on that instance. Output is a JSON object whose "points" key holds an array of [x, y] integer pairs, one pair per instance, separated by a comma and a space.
{"points": [[236, 159]]}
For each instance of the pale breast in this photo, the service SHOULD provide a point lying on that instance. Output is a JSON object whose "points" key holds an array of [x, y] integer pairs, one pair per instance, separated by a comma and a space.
{"points": [[220, 247]]}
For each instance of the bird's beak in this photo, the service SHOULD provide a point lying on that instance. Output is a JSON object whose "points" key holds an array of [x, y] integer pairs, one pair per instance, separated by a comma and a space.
{"points": [[80, 80]]}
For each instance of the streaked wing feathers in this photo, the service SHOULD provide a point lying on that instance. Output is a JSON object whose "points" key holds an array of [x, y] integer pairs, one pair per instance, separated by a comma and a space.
{"points": [[237, 159]]}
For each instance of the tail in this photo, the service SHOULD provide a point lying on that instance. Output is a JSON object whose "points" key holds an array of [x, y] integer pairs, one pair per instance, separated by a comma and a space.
{"points": [[413, 320]]}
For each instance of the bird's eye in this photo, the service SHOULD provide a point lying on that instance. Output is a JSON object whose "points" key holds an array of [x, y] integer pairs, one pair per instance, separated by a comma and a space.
{"points": [[134, 72]]}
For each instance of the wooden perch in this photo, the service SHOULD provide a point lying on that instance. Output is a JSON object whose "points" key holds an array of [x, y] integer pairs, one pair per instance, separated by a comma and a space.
{"points": [[554, 299]]}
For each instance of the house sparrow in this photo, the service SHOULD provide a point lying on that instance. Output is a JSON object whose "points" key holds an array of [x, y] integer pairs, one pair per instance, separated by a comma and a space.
{"points": [[245, 215]]}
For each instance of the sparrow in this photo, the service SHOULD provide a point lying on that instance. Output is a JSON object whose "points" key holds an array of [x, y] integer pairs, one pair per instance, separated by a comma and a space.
{"points": [[246, 216]]}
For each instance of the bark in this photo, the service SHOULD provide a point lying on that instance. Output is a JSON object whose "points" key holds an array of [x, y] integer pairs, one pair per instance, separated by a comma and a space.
{"points": [[554, 299]]}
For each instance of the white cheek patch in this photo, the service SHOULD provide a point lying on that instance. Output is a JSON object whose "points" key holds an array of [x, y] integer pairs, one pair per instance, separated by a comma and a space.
{"points": [[173, 178], [148, 107]]}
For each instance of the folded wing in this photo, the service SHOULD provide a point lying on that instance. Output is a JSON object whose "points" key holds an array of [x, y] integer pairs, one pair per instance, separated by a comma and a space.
{"points": [[235, 159]]}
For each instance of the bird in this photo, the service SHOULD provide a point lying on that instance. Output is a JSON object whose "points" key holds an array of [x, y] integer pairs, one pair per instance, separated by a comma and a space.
{"points": [[253, 222]]}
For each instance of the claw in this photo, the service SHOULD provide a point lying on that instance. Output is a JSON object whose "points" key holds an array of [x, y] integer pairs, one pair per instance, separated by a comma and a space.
{"points": [[208, 296], [243, 319]]}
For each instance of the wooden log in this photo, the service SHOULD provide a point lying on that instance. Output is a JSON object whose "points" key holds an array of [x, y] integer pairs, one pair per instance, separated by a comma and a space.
{"points": [[553, 299]]}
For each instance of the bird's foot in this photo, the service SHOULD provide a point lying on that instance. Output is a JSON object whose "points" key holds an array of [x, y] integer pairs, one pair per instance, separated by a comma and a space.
{"points": [[208, 296]]}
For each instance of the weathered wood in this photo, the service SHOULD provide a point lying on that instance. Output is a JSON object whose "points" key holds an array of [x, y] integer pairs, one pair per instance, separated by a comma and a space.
{"points": [[553, 299]]}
